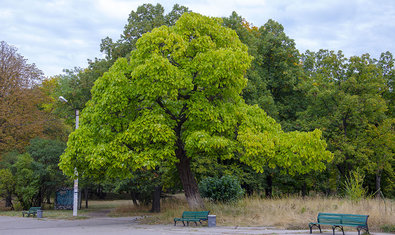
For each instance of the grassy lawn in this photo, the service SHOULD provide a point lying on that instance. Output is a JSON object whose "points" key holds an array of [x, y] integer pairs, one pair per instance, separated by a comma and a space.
{"points": [[284, 213]]}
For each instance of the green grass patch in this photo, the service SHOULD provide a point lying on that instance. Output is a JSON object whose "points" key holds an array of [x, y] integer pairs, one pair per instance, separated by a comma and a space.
{"points": [[388, 228]]}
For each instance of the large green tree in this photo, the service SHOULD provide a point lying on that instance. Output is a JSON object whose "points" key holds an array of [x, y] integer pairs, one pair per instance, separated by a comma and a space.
{"points": [[273, 79], [346, 101], [275, 70], [45, 154], [7, 186], [177, 99]]}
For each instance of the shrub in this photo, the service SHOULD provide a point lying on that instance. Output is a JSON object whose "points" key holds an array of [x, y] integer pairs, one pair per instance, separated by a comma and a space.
{"points": [[388, 228], [353, 187], [224, 189], [17, 206]]}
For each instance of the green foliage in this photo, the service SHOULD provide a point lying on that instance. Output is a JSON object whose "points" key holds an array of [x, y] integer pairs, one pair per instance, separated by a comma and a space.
{"points": [[353, 186], [388, 228], [275, 72], [7, 182], [224, 189], [387, 65], [347, 102], [140, 186], [27, 182], [45, 154], [33, 175], [75, 85], [143, 20], [18, 207], [9, 159]]}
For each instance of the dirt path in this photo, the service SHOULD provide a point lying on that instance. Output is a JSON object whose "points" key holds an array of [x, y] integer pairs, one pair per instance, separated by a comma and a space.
{"points": [[100, 213]]}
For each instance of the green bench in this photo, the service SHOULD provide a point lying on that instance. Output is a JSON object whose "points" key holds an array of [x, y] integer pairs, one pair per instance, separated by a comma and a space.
{"points": [[31, 211], [192, 216], [340, 220]]}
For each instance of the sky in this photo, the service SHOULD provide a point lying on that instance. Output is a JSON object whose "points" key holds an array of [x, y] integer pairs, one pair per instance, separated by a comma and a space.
{"points": [[63, 34]]}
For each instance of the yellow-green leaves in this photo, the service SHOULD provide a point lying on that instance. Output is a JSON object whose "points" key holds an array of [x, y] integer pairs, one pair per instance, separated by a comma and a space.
{"points": [[179, 93], [264, 143]]}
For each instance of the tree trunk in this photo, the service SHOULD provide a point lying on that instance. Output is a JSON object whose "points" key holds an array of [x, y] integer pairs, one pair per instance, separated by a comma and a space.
{"points": [[8, 200], [39, 200], [187, 178], [378, 184], [133, 195], [304, 189], [188, 181], [269, 187], [48, 198], [79, 199], [156, 199], [86, 197]]}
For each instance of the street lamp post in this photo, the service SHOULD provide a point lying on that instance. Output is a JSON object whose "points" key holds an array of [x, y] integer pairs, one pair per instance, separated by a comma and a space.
{"points": [[75, 199]]}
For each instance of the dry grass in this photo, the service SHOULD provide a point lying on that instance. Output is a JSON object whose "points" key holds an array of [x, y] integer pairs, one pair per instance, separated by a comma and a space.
{"points": [[295, 213], [170, 207], [285, 213], [103, 204]]}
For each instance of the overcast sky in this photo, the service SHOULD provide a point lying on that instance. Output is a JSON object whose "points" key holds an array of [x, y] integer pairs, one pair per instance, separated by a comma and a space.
{"points": [[63, 34]]}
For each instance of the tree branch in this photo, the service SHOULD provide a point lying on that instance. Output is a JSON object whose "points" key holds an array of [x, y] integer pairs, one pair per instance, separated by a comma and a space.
{"points": [[159, 101]]}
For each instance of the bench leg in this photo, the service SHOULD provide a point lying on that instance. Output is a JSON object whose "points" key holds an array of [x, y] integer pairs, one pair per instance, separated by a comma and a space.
{"points": [[175, 222], [311, 227], [335, 226], [183, 223], [360, 228]]}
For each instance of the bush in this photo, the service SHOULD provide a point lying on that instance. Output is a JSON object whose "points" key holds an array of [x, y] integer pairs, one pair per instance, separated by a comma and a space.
{"points": [[388, 228], [224, 189], [353, 187], [17, 206]]}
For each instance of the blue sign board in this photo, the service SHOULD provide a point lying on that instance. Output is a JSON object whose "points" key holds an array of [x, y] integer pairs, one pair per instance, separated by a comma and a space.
{"points": [[64, 199]]}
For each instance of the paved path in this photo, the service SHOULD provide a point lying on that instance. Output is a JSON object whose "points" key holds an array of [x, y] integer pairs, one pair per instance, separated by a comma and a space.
{"points": [[125, 226]]}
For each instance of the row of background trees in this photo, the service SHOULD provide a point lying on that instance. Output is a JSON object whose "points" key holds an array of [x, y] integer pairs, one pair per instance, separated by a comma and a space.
{"points": [[349, 99]]}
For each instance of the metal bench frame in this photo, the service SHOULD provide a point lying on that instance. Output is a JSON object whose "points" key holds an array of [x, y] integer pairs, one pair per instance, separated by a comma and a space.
{"points": [[340, 220], [192, 216]]}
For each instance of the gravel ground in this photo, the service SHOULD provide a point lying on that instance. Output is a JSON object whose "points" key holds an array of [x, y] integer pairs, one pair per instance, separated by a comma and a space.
{"points": [[127, 225]]}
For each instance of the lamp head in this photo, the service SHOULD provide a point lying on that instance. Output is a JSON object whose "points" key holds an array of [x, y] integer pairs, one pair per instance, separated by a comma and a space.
{"points": [[61, 98]]}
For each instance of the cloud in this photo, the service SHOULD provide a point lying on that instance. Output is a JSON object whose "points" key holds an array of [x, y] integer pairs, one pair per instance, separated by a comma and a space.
{"points": [[62, 34], [351, 26]]}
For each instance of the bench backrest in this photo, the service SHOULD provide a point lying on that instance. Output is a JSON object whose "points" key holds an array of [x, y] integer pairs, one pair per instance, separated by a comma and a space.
{"points": [[195, 215], [349, 219], [33, 209]]}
